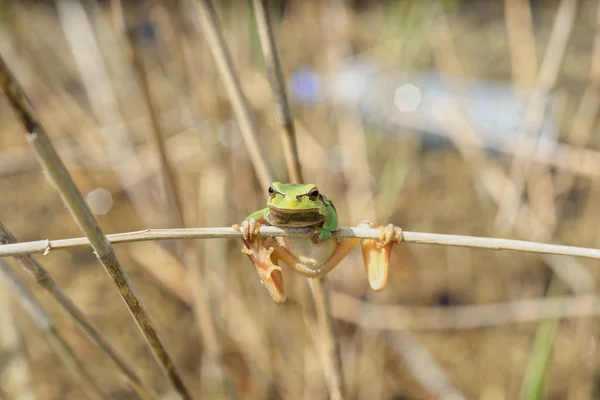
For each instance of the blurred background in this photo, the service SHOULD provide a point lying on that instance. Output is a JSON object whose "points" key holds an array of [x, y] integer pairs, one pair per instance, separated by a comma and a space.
{"points": [[461, 117]]}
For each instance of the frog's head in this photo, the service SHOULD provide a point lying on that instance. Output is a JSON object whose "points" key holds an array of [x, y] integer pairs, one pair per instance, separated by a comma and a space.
{"points": [[296, 205]]}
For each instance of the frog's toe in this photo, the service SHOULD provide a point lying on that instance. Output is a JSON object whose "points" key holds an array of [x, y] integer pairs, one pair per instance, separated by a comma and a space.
{"points": [[250, 228], [316, 237], [320, 234], [389, 234], [273, 282]]}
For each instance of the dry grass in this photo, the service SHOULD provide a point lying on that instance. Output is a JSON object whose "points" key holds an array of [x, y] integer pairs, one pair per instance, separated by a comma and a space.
{"points": [[264, 349]]}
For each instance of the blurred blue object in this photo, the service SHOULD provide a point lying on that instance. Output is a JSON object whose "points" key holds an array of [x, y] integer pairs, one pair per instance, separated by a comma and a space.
{"points": [[432, 106], [305, 86]]}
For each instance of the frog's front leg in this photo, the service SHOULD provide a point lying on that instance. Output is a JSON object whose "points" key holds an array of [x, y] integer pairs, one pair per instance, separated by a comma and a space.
{"points": [[376, 253], [261, 257], [251, 225]]}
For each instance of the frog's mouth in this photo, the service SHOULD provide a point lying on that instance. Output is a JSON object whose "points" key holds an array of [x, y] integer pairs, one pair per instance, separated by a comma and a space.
{"points": [[294, 218]]}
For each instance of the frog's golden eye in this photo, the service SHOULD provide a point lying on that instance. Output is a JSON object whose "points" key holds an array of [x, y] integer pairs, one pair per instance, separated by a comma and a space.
{"points": [[272, 191], [313, 194]]}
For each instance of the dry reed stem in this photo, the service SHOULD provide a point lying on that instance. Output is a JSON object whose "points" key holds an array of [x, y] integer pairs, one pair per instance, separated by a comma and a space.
{"points": [[521, 41], [328, 341], [16, 381], [396, 317], [41, 246], [168, 176], [202, 311], [481, 167], [57, 174], [41, 276], [580, 133], [403, 318], [550, 67], [423, 367], [492, 178], [118, 148], [209, 285], [582, 125], [283, 111], [44, 322], [580, 161], [195, 277], [209, 21], [576, 277]]}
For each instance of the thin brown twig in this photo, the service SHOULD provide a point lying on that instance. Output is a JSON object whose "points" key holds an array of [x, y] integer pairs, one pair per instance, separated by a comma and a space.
{"points": [[58, 175], [41, 276], [44, 322], [41, 246]]}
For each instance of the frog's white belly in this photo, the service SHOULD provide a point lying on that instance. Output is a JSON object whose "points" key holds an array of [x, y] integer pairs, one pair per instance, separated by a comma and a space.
{"points": [[308, 253]]}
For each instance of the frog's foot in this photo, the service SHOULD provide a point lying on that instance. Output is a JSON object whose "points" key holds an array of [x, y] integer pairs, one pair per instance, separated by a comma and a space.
{"points": [[250, 228], [268, 272], [376, 253], [320, 234]]}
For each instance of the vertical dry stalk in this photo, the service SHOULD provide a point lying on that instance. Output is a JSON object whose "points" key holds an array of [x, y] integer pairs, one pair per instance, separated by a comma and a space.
{"points": [[62, 181], [141, 74], [424, 368], [329, 342], [283, 111], [43, 278], [493, 179], [580, 133], [521, 41], [44, 322], [203, 283], [209, 20], [546, 79], [582, 125], [565, 269], [15, 374], [94, 71]]}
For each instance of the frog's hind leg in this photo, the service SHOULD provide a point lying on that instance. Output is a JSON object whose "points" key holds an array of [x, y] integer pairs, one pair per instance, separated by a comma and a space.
{"points": [[343, 248], [376, 254]]}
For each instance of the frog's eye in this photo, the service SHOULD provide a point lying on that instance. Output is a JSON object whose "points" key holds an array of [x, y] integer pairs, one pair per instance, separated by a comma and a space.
{"points": [[314, 194], [272, 191]]}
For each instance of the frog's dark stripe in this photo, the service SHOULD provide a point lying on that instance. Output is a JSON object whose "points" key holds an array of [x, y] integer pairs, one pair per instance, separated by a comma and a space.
{"points": [[294, 218], [326, 201]]}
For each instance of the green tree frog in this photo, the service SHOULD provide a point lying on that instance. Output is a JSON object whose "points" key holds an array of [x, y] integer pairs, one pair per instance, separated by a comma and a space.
{"points": [[303, 205]]}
